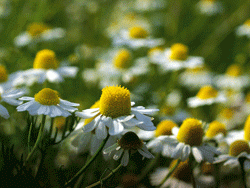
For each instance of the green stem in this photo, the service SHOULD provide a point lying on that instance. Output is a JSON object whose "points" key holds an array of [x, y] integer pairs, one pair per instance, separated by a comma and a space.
{"points": [[29, 135], [217, 175], [87, 164], [170, 172], [39, 138], [241, 161], [191, 160], [149, 167], [108, 176]]}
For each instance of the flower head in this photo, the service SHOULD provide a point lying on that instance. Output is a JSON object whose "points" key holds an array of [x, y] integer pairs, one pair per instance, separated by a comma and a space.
{"points": [[47, 102], [122, 59], [3, 74], [45, 59], [36, 29], [179, 52], [165, 128], [247, 129], [138, 32], [215, 128]]}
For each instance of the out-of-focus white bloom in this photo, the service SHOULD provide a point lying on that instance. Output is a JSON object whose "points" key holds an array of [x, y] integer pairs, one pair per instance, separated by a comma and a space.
{"points": [[233, 79], [38, 32], [5, 8], [45, 67], [136, 37], [244, 29], [207, 95], [209, 7], [196, 78], [149, 5], [175, 58]]}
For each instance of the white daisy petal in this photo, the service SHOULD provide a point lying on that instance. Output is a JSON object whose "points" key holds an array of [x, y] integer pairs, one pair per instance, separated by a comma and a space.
{"points": [[197, 154], [53, 76], [67, 103], [4, 112], [144, 152], [110, 149], [25, 106], [89, 113], [118, 154], [185, 152], [68, 71], [101, 131], [91, 126], [125, 158], [117, 128]]}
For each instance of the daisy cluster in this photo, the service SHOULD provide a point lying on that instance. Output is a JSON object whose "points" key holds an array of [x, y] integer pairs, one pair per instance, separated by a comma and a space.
{"points": [[157, 87]]}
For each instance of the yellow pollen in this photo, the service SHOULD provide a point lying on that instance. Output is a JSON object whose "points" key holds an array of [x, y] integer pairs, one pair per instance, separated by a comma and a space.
{"points": [[237, 147], [182, 172], [36, 29], [179, 52], [227, 113], [3, 74], [96, 105], [195, 70], [138, 33], [59, 122], [191, 132], [115, 101], [207, 92], [47, 97], [247, 22], [122, 59], [248, 97], [215, 128], [247, 129], [45, 59], [234, 70], [165, 128], [130, 140]]}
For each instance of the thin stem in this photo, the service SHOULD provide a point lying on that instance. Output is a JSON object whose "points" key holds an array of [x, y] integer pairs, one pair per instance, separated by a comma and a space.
{"points": [[170, 172], [39, 138], [191, 159], [149, 167], [108, 176], [88, 163], [217, 175], [29, 135], [241, 161]]}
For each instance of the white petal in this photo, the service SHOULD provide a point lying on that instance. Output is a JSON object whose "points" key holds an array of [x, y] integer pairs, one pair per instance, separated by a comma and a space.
{"points": [[25, 106], [89, 113], [101, 131], [13, 102], [68, 71], [178, 151], [26, 98], [117, 128], [197, 154], [53, 76], [4, 112], [185, 152], [144, 152], [110, 149], [118, 154], [67, 103], [91, 126], [125, 158]]}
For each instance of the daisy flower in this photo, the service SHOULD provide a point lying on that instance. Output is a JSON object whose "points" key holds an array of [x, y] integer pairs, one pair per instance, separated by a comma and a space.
{"points": [[207, 95], [181, 176], [209, 7], [46, 67], [149, 5], [176, 58], [10, 97], [47, 102], [233, 79], [136, 37], [38, 32], [7, 80], [239, 148], [189, 141], [214, 129], [115, 113], [128, 144], [244, 29]]}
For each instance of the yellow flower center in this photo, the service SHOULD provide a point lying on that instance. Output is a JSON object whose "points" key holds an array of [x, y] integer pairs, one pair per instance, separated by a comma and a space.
{"points": [[207, 92], [239, 146], [195, 70], [130, 140], [123, 59], [227, 113], [35, 29], [138, 33], [165, 128], [247, 22], [179, 52], [115, 101], [96, 105], [59, 122], [247, 129], [207, 168], [191, 132], [167, 110], [47, 97], [155, 50], [3, 74], [234, 70], [215, 128], [182, 172], [45, 59]]}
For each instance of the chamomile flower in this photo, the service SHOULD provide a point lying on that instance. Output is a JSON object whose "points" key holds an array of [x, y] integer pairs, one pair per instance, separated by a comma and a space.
{"points": [[7, 80], [207, 95], [215, 128], [176, 58], [189, 141], [181, 176], [233, 79], [46, 67], [38, 32], [128, 144], [47, 102], [239, 148], [136, 37], [149, 5], [10, 97], [209, 7], [115, 113], [244, 29]]}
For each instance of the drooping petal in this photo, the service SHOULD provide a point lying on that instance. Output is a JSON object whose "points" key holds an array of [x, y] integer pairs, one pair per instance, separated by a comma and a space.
{"points": [[118, 154], [89, 113], [117, 128], [197, 154], [4, 112], [101, 131], [125, 158]]}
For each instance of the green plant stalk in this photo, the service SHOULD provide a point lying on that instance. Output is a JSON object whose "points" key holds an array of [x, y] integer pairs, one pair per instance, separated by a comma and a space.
{"points": [[243, 176], [88, 163], [39, 138], [191, 160], [108, 176], [170, 172]]}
